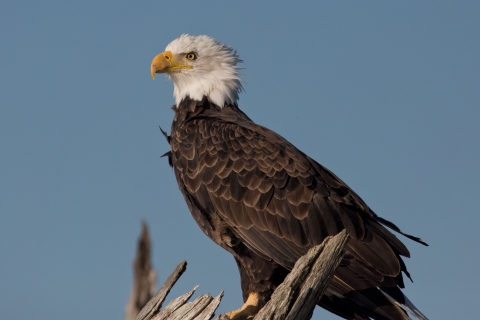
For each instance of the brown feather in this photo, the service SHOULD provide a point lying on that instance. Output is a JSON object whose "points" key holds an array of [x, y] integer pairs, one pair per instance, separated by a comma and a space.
{"points": [[267, 203]]}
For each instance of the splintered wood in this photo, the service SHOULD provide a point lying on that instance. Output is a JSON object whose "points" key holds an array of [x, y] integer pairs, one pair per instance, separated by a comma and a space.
{"points": [[294, 299]]}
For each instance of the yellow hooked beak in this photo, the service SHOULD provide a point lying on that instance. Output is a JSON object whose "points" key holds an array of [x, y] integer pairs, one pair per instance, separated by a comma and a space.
{"points": [[165, 62]]}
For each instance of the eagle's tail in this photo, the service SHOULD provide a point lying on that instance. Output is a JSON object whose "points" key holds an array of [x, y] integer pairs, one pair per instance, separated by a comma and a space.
{"points": [[407, 306], [354, 294]]}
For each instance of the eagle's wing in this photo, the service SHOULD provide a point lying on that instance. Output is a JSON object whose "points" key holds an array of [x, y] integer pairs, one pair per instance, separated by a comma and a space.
{"points": [[281, 203]]}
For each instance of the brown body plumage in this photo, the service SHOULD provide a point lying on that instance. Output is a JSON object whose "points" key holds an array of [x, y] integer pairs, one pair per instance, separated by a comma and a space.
{"points": [[267, 203]]}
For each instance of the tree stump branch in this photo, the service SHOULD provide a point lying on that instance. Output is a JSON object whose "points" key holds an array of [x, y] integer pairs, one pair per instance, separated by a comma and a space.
{"points": [[145, 277], [297, 296], [294, 299]]}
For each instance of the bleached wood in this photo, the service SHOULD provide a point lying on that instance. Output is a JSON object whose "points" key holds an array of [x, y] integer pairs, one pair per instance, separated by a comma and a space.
{"points": [[294, 299], [201, 308], [153, 306], [298, 295], [208, 312]]}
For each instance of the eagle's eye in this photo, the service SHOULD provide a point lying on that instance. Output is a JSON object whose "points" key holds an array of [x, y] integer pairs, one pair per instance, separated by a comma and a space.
{"points": [[191, 56]]}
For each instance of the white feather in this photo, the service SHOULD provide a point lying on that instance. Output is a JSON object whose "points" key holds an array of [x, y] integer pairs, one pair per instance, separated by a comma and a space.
{"points": [[214, 73]]}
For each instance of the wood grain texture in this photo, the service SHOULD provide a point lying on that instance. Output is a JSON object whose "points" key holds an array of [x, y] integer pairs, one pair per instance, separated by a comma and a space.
{"points": [[153, 306], [294, 299], [202, 308], [298, 295]]}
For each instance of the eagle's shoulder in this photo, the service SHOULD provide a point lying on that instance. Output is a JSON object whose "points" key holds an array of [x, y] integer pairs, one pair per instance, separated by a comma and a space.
{"points": [[275, 198]]}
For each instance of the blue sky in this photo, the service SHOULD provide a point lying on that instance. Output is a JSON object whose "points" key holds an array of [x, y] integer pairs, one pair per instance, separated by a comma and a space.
{"points": [[385, 94]]}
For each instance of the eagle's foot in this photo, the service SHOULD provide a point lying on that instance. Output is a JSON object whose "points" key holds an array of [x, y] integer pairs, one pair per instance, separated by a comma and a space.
{"points": [[249, 308]]}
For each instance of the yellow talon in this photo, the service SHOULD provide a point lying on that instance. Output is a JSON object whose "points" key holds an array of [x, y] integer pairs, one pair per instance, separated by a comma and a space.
{"points": [[249, 308]]}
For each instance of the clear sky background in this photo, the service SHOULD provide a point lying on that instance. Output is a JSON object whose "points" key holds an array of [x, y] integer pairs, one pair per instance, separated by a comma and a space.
{"points": [[385, 94]]}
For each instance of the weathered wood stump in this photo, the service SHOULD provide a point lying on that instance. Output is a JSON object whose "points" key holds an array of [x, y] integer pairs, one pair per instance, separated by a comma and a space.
{"points": [[145, 277], [294, 299]]}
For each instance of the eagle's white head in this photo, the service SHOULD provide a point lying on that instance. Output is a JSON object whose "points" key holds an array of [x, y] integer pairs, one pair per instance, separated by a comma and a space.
{"points": [[200, 66]]}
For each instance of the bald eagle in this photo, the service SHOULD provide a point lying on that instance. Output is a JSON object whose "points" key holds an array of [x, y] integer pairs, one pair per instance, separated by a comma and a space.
{"points": [[266, 202]]}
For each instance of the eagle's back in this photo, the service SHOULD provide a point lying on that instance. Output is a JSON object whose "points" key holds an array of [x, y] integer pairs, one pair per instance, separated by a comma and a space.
{"points": [[266, 202]]}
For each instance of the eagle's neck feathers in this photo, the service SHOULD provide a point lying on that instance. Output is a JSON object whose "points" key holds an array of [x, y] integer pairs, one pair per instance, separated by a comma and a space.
{"points": [[214, 74]]}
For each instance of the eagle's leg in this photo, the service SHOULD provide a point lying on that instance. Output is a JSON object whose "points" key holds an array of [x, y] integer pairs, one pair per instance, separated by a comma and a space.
{"points": [[250, 308], [258, 280]]}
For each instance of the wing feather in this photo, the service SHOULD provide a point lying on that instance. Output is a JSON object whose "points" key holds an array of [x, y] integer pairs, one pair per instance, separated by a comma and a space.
{"points": [[279, 203]]}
